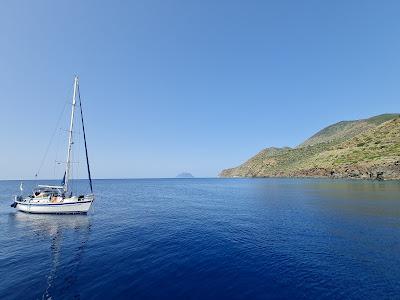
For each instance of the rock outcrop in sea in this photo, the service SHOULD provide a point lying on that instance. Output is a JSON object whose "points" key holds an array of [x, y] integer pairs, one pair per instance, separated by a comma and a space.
{"points": [[184, 175]]}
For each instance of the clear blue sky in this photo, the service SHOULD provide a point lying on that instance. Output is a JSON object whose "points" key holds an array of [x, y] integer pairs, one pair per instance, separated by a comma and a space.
{"points": [[197, 86]]}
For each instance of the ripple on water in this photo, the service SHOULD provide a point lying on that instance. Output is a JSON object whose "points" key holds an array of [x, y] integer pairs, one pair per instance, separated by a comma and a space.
{"points": [[209, 239]]}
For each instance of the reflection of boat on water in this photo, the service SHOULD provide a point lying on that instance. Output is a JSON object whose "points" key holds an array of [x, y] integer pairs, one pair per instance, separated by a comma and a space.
{"points": [[59, 199], [65, 263], [50, 225]]}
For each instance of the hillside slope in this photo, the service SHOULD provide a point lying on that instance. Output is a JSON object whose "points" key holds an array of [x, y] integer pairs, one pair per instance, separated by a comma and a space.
{"points": [[367, 148], [346, 129]]}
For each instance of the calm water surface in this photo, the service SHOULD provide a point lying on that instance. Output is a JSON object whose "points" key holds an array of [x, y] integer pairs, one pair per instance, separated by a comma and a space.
{"points": [[208, 239]]}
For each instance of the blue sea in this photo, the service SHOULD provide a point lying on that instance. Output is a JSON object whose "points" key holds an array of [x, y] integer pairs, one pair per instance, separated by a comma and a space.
{"points": [[208, 239]]}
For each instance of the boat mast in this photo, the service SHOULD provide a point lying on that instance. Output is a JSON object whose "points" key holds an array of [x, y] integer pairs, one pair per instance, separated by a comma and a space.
{"points": [[70, 142]]}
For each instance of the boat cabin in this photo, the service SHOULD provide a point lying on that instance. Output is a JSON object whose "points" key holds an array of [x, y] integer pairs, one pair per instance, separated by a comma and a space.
{"points": [[48, 191]]}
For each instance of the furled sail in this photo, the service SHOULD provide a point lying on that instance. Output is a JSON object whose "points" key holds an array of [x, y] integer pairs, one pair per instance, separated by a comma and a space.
{"points": [[84, 138], [63, 180]]}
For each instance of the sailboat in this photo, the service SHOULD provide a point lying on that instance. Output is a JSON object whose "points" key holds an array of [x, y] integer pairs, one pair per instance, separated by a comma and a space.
{"points": [[59, 199]]}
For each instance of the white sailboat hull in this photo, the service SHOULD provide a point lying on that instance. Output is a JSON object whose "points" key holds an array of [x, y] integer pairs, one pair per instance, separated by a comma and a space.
{"points": [[66, 207]]}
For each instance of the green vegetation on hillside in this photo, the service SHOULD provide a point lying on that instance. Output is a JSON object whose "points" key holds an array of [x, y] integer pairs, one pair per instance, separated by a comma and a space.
{"points": [[367, 148]]}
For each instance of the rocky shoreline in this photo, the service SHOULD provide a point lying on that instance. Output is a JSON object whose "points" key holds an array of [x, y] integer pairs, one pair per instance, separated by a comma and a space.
{"points": [[390, 173]]}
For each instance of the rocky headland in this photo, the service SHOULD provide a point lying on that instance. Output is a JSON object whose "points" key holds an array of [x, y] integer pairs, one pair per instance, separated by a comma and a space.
{"points": [[364, 149]]}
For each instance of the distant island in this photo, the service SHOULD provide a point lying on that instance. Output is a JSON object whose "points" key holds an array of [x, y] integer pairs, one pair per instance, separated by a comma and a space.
{"points": [[365, 149], [184, 175]]}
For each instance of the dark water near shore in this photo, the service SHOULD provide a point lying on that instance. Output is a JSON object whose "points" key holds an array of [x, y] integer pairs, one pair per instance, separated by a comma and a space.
{"points": [[208, 239]]}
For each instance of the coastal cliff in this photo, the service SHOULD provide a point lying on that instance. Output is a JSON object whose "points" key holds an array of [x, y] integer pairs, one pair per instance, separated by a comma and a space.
{"points": [[365, 149]]}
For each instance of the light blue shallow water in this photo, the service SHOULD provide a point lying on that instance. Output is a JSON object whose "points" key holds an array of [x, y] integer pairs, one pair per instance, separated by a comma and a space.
{"points": [[208, 239]]}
